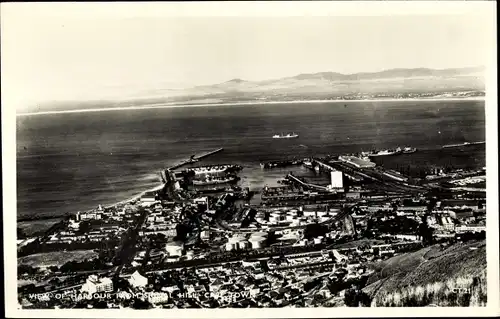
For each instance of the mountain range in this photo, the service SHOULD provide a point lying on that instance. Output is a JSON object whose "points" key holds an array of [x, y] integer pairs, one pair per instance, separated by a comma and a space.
{"points": [[306, 86], [359, 82]]}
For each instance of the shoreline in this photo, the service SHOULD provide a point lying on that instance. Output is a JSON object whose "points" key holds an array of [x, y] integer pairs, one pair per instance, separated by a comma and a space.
{"points": [[178, 105], [123, 202], [135, 197], [159, 187]]}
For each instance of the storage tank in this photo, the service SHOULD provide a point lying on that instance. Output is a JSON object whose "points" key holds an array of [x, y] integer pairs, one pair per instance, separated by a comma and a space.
{"points": [[257, 242], [230, 246], [259, 234], [244, 244]]}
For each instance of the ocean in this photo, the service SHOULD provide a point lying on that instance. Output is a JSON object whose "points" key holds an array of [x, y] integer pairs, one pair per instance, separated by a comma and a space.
{"points": [[72, 162]]}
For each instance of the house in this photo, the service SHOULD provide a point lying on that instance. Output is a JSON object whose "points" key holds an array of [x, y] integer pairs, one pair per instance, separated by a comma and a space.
{"points": [[471, 228], [255, 290], [170, 289], [190, 289], [137, 280], [216, 285], [157, 298]]}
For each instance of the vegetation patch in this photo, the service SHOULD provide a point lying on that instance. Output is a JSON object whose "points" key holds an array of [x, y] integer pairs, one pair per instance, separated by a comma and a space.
{"points": [[431, 275], [56, 258]]}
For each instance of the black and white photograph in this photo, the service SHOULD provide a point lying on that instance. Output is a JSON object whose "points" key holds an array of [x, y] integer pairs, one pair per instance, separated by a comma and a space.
{"points": [[192, 159]]}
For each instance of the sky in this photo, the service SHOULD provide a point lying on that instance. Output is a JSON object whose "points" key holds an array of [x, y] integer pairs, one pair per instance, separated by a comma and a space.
{"points": [[89, 56]]}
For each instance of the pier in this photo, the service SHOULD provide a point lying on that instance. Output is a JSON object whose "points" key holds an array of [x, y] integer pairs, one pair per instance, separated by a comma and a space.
{"points": [[323, 165], [199, 157], [195, 158], [295, 179]]}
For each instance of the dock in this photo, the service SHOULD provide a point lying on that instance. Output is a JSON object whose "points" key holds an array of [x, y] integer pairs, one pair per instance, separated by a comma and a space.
{"points": [[295, 179], [195, 158]]}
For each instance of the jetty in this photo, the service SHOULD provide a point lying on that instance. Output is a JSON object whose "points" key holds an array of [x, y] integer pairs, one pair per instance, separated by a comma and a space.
{"points": [[297, 180], [464, 144], [195, 158]]}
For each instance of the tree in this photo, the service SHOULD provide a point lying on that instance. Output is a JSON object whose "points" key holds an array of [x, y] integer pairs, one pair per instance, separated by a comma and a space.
{"points": [[356, 298], [26, 269], [350, 298]]}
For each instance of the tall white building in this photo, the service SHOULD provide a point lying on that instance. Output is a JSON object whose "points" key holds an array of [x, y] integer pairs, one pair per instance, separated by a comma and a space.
{"points": [[336, 179], [95, 284]]}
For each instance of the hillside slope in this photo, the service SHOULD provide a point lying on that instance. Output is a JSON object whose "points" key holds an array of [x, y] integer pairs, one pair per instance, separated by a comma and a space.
{"points": [[430, 271]]}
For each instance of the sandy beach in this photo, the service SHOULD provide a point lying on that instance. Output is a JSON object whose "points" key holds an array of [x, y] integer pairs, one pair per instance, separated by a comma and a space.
{"points": [[136, 197], [168, 105]]}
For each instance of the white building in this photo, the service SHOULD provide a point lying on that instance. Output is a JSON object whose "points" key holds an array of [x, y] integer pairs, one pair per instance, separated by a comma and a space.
{"points": [[95, 284], [336, 179], [138, 280], [174, 248]]}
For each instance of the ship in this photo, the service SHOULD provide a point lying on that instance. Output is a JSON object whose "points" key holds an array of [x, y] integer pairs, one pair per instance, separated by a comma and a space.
{"points": [[409, 150], [292, 135], [285, 163], [214, 169], [215, 181], [307, 163], [385, 152]]}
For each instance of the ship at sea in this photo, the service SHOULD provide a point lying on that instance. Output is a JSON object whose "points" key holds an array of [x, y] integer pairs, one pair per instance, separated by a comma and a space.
{"points": [[289, 135]]}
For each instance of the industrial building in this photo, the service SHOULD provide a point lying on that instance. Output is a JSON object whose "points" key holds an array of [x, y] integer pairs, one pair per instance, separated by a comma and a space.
{"points": [[174, 248], [95, 284], [337, 180]]}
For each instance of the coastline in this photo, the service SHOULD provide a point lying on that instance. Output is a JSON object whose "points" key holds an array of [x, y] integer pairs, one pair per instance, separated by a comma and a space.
{"points": [[136, 197], [176, 105], [126, 201]]}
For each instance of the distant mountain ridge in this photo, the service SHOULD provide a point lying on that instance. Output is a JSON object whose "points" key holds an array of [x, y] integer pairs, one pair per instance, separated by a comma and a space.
{"points": [[387, 81], [385, 74], [400, 83]]}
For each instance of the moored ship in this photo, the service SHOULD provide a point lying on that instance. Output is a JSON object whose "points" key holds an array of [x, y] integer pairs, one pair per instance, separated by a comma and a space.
{"points": [[216, 181], [214, 169], [382, 152], [276, 164]]}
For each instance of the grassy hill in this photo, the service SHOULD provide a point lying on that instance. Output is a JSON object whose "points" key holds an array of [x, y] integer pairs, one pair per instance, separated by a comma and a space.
{"points": [[429, 276]]}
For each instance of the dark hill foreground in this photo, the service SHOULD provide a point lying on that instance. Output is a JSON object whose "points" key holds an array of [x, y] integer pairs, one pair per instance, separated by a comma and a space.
{"points": [[442, 276]]}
